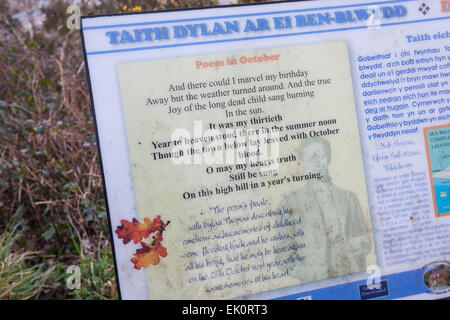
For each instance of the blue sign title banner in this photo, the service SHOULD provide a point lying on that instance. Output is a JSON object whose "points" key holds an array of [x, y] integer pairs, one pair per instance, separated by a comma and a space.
{"points": [[183, 31]]}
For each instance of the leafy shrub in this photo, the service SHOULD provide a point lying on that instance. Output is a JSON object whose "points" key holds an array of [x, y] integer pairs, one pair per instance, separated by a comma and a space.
{"points": [[50, 179]]}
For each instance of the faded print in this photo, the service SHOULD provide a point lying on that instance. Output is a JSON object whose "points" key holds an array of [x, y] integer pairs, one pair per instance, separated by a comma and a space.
{"points": [[334, 238]]}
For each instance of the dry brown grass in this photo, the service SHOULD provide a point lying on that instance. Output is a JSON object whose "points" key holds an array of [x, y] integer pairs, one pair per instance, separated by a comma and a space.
{"points": [[49, 170], [48, 158]]}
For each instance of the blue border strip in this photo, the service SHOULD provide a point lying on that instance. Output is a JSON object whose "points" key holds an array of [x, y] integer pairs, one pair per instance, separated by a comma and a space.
{"points": [[261, 37], [241, 15], [399, 285]]}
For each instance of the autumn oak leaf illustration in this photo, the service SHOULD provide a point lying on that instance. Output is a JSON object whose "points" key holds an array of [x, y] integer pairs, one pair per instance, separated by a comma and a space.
{"points": [[136, 231], [150, 253]]}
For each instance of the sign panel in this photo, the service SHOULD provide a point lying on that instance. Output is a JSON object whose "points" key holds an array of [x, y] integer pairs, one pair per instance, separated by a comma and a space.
{"points": [[276, 151]]}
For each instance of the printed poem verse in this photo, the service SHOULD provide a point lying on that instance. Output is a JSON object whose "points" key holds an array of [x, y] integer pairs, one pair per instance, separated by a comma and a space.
{"points": [[214, 147]]}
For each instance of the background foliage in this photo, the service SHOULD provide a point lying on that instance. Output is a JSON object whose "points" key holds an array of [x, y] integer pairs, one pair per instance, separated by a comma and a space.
{"points": [[52, 209]]}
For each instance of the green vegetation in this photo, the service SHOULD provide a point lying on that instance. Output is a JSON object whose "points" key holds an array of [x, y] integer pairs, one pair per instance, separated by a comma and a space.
{"points": [[22, 275], [52, 209]]}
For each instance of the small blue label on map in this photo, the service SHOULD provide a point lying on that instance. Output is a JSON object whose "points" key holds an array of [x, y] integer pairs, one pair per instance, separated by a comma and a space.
{"points": [[379, 290]]}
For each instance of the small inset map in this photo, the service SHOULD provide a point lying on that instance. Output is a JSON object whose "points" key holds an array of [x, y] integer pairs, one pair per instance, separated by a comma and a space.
{"points": [[437, 141]]}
